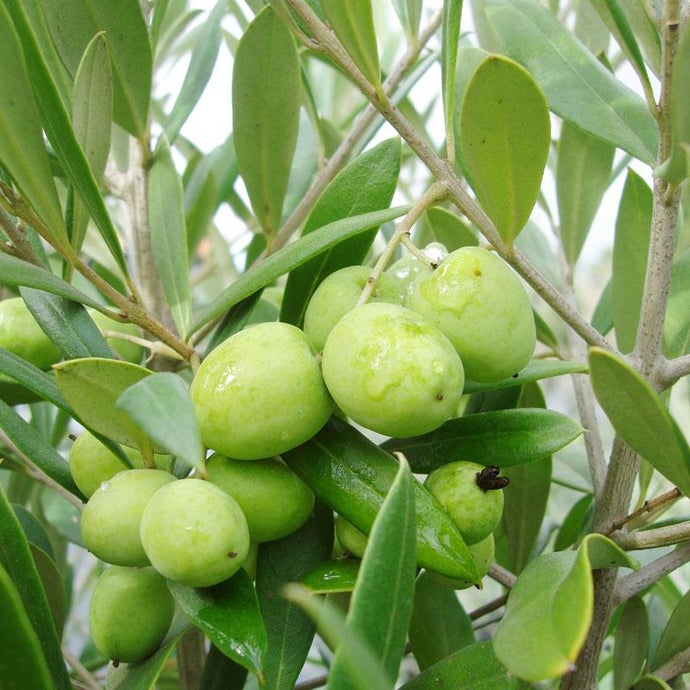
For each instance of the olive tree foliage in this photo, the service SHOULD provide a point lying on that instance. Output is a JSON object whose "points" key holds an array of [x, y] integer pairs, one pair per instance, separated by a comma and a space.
{"points": [[361, 132]]}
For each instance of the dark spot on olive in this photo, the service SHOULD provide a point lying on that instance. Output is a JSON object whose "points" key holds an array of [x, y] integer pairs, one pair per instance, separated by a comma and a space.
{"points": [[489, 479], [477, 271], [439, 396], [232, 554]]}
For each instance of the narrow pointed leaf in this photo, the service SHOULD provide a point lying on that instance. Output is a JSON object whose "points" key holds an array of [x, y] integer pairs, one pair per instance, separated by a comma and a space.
{"points": [[630, 644], [265, 104], [67, 324], [582, 173], [290, 632], [169, 234], [646, 33], [32, 444], [58, 127], [361, 664], [353, 24], [503, 437], [199, 71], [22, 151], [439, 624], [222, 673], [381, 605], [40, 382], [228, 614], [640, 418], [536, 370], [294, 254], [471, 668], [650, 682], [333, 576], [92, 115], [676, 635], [450, 43], [17, 273], [576, 85], [365, 185], [73, 25], [612, 14], [161, 407], [630, 249], [550, 608], [445, 227], [21, 657], [352, 475], [677, 323], [409, 13], [505, 134], [677, 167], [92, 386], [16, 560]]}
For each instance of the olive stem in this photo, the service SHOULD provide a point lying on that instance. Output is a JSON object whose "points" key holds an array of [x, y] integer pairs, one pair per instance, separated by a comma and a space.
{"points": [[652, 538], [433, 195]]}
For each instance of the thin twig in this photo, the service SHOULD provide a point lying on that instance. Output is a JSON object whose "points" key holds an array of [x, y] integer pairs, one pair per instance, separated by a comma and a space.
{"points": [[488, 608], [80, 669], [652, 505], [652, 538]]}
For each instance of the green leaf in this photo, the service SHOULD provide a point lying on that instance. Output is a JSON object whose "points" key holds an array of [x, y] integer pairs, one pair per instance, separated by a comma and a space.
{"points": [[32, 444], [549, 610], [228, 614], [222, 673], [290, 256], [439, 624], [22, 151], [67, 324], [445, 227], [92, 115], [353, 476], [381, 605], [73, 25], [353, 24], [143, 676], [536, 370], [471, 668], [266, 93], [34, 530], [576, 85], [161, 407], [575, 523], [16, 560], [21, 657], [169, 234], [365, 672], [290, 632], [450, 42], [677, 167], [92, 386], [505, 134], [40, 382], [676, 635], [639, 417], [582, 174], [612, 14], [649, 682], [16, 273], [645, 32], [630, 644], [503, 437], [630, 248], [199, 71], [58, 127], [365, 185], [331, 577], [53, 585]]}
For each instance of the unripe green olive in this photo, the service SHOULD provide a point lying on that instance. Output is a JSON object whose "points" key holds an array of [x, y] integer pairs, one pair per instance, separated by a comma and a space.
{"points": [[110, 521], [91, 462], [392, 371], [194, 533], [471, 494], [483, 554], [130, 613], [129, 351], [478, 301], [337, 294], [21, 334], [351, 539], [273, 498], [260, 393], [405, 273]]}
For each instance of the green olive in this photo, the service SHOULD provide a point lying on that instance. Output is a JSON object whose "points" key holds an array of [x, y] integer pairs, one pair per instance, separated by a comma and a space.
{"points": [[194, 533], [273, 498], [21, 334], [260, 393], [110, 521], [471, 494], [351, 539], [130, 613], [392, 371], [483, 553]]}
